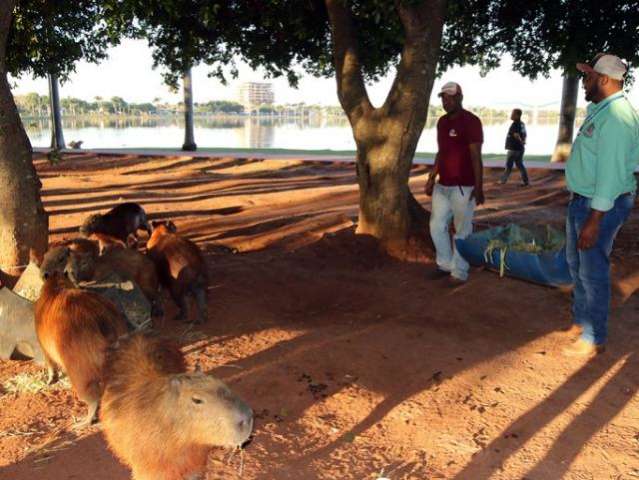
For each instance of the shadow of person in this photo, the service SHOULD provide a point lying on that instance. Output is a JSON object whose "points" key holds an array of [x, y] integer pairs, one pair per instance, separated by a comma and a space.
{"points": [[616, 393], [613, 376]]}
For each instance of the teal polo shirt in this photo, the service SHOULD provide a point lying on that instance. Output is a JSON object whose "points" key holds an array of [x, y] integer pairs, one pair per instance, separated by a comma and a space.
{"points": [[605, 153]]}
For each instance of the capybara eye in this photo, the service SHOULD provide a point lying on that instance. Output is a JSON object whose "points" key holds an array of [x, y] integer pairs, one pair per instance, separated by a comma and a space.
{"points": [[45, 275], [197, 401], [66, 274]]}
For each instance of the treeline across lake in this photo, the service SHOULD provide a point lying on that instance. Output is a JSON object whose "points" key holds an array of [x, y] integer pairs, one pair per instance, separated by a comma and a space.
{"points": [[34, 105]]}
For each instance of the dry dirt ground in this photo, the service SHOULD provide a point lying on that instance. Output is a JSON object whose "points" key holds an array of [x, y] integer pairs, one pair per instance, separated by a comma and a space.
{"points": [[356, 365]]}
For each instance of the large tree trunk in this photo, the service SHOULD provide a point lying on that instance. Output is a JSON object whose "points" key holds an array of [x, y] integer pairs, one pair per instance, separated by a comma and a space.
{"points": [[189, 138], [57, 138], [387, 137], [23, 221], [567, 114]]}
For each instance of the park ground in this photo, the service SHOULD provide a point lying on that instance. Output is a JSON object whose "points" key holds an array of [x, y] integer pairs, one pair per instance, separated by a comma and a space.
{"points": [[356, 365]]}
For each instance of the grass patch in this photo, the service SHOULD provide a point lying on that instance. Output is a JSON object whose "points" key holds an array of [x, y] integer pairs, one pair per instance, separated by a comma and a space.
{"points": [[33, 383]]}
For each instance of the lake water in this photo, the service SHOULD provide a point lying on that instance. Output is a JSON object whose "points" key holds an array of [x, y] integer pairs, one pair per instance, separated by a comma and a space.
{"points": [[247, 132]]}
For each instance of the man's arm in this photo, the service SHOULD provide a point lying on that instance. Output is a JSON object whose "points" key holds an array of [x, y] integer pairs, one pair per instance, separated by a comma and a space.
{"points": [[430, 183], [478, 170]]}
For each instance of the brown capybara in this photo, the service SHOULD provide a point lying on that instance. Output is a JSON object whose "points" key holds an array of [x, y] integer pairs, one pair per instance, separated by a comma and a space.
{"points": [[180, 266], [79, 261], [75, 328], [119, 222], [161, 421]]}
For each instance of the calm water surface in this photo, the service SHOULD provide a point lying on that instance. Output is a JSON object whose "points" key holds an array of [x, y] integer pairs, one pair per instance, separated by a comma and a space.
{"points": [[246, 132]]}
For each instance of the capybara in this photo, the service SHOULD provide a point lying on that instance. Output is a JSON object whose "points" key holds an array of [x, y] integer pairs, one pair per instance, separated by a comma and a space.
{"points": [[119, 222], [75, 328], [161, 421], [180, 266], [79, 261]]}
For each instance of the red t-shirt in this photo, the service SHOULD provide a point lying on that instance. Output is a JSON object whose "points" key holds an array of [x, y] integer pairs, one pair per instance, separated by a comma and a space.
{"points": [[454, 135]]}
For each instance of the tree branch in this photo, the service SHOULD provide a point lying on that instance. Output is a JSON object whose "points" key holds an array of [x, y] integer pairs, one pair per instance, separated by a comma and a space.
{"points": [[350, 83], [423, 24]]}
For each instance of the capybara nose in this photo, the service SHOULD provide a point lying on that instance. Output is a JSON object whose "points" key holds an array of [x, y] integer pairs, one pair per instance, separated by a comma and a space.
{"points": [[246, 423]]}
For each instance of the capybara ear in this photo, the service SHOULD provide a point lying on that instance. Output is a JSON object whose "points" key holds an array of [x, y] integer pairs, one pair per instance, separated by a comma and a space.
{"points": [[35, 257], [171, 226], [155, 224]]}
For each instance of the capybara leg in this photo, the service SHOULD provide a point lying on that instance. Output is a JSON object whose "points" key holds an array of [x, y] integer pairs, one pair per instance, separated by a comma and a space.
{"points": [[202, 306], [132, 240], [183, 304], [91, 417], [52, 370], [91, 396], [156, 307]]}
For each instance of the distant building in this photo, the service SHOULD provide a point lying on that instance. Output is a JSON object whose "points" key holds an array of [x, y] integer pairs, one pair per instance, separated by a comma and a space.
{"points": [[254, 94]]}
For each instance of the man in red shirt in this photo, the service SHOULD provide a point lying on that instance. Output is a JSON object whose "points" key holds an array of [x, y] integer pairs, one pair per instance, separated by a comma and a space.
{"points": [[459, 166]]}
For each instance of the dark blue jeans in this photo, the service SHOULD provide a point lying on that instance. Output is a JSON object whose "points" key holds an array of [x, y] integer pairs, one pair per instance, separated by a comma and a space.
{"points": [[590, 269], [515, 157]]}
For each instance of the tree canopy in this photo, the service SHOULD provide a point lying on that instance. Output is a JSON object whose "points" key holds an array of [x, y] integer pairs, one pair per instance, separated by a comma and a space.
{"points": [[288, 37], [542, 35], [49, 37]]}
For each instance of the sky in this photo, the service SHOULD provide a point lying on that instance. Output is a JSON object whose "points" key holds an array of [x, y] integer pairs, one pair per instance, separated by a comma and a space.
{"points": [[129, 73]]}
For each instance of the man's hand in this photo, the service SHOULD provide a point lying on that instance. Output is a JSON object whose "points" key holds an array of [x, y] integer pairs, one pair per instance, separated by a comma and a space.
{"points": [[590, 231], [478, 195], [430, 185]]}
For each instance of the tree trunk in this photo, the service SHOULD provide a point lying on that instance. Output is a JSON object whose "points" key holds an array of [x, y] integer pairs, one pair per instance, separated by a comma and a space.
{"points": [[189, 139], [23, 221], [567, 114], [57, 138], [387, 137]]}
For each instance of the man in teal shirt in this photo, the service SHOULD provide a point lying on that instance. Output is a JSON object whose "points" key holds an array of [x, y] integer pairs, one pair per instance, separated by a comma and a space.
{"points": [[600, 177]]}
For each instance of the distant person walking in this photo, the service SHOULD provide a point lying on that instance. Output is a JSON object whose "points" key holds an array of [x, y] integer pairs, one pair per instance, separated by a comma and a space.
{"points": [[515, 146], [459, 166], [600, 177]]}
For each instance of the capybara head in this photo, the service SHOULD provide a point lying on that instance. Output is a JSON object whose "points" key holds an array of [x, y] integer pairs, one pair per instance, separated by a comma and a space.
{"points": [[209, 411], [75, 259], [59, 260], [164, 226], [90, 224]]}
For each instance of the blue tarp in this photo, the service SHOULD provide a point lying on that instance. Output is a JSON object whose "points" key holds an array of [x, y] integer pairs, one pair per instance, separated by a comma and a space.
{"points": [[504, 248]]}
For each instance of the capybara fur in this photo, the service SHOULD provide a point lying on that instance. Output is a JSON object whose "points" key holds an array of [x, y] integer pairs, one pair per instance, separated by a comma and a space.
{"points": [[79, 261], [181, 268], [75, 328], [132, 265], [106, 242], [161, 421], [119, 222]]}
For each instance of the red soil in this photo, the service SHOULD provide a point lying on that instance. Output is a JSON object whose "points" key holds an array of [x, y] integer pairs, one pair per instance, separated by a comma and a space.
{"points": [[356, 365]]}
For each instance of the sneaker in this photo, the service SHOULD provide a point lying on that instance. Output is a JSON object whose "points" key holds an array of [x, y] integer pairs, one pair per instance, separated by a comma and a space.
{"points": [[437, 274], [583, 349], [524, 184], [455, 282]]}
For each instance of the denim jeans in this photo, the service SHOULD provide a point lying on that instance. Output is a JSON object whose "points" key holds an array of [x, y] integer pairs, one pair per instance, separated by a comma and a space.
{"points": [[590, 269], [451, 202], [515, 157]]}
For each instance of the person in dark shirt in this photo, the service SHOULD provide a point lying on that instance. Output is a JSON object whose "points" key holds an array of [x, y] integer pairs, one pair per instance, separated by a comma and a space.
{"points": [[460, 188], [515, 145]]}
